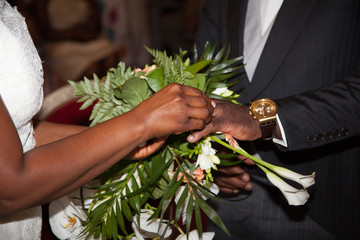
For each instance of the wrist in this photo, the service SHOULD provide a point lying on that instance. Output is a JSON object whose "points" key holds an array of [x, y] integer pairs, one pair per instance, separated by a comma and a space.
{"points": [[141, 133], [263, 111]]}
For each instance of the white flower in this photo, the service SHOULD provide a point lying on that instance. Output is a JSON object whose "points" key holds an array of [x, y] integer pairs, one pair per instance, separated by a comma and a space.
{"points": [[66, 213], [65, 219], [146, 228], [207, 158], [294, 196], [223, 91], [305, 180], [193, 235]]}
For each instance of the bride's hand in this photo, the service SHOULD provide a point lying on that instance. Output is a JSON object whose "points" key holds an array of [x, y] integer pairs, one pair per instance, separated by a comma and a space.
{"points": [[173, 110]]}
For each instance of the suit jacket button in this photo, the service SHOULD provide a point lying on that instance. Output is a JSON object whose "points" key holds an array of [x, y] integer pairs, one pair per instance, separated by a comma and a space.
{"points": [[344, 132], [310, 138], [319, 137], [336, 133], [327, 135]]}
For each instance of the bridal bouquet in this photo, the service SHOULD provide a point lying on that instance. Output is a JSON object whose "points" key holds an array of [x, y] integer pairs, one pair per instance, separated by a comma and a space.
{"points": [[164, 195]]}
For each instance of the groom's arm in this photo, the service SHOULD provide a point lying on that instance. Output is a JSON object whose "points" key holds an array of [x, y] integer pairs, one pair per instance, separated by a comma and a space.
{"points": [[322, 116]]}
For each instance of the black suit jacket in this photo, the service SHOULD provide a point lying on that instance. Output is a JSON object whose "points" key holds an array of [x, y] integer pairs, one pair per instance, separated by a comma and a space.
{"points": [[310, 66]]}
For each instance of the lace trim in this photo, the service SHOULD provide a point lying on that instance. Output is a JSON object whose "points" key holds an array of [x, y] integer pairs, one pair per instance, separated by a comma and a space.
{"points": [[17, 25], [25, 225]]}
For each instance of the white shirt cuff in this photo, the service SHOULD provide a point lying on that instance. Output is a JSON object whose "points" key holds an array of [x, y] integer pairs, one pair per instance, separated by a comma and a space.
{"points": [[282, 141]]}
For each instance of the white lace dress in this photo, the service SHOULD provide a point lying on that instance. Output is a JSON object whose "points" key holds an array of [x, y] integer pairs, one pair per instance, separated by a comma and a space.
{"points": [[21, 80]]}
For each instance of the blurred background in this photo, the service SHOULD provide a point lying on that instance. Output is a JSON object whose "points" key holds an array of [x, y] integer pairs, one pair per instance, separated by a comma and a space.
{"points": [[76, 38]]}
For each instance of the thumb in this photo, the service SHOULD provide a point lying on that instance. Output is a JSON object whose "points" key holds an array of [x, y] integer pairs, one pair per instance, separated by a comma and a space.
{"points": [[195, 136]]}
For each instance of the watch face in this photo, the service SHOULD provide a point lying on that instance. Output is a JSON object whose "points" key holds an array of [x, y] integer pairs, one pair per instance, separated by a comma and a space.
{"points": [[264, 110]]}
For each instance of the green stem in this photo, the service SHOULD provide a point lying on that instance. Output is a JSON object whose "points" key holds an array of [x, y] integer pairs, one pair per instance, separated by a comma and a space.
{"points": [[182, 170], [178, 227], [242, 152]]}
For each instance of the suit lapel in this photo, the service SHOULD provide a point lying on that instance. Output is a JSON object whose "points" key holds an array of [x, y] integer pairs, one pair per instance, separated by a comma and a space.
{"points": [[234, 25], [234, 32], [291, 18]]}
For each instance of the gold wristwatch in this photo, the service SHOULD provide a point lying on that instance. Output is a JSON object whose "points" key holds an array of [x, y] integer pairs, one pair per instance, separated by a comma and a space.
{"points": [[264, 111]]}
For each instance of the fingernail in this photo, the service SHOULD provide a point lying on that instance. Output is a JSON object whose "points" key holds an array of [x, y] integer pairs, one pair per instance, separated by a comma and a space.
{"points": [[213, 103], [235, 191], [190, 137], [247, 187], [142, 144]]}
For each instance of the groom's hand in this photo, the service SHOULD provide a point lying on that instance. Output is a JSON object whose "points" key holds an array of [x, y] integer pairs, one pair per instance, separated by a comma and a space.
{"points": [[232, 179], [232, 119]]}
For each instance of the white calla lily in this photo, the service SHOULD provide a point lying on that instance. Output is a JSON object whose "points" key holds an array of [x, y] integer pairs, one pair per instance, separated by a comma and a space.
{"points": [[146, 228], [305, 180], [193, 235], [294, 196]]}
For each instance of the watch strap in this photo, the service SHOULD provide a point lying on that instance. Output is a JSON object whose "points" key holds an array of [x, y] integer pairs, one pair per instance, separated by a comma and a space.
{"points": [[268, 130]]}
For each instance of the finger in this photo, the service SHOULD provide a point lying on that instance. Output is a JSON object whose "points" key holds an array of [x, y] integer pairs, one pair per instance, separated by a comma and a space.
{"points": [[226, 183], [249, 161], [190, 91], [232, 170], [192, 124], [242, 157], [196, 101], [201, 102], [200, 113], [150, 147], [246, 160], [231, 182], [235, 171], [199, 96], [244, 177], [234, 184], [235, 191], [228, 190], [156, 143], [248, 186], [196, 136]]}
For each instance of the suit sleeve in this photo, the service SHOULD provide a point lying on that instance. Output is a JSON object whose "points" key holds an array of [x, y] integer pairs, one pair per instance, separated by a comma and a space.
{"points": [[322, 116]]}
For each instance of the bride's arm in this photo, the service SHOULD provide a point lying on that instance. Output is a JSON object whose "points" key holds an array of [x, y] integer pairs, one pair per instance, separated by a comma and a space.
{"points": [[46, 132], [56, 168]]}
